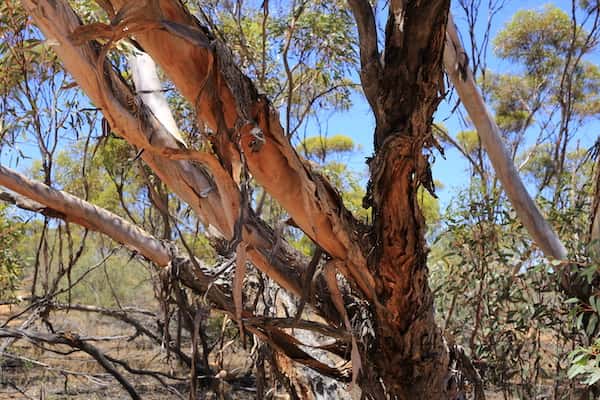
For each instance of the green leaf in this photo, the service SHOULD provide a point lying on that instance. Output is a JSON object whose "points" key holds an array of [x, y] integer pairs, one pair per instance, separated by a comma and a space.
{"points": [[575, 370], [591, 325]]}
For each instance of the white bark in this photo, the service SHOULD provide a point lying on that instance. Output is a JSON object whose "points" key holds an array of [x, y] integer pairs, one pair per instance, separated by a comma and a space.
{"points": [[461, 76], [78, 211], [149, 89]]}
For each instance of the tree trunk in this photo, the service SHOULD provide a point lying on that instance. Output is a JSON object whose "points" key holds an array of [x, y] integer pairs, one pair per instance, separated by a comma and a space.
{"points": [[412, 357], [413, 58]]}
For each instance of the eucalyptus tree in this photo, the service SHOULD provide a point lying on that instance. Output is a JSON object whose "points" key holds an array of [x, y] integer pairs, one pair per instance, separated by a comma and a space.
{"points": [[366, 281]]}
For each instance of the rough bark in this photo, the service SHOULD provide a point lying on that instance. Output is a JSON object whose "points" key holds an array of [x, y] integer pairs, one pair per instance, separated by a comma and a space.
{"points": [[412, 357]]}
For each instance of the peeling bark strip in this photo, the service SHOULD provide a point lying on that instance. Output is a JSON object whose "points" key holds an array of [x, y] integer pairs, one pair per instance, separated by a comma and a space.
{"points": [[462, 78], [149, 88]]}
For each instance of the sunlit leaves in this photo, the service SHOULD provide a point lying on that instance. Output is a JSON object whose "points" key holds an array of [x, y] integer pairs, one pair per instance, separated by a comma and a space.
{"points": [[318, 147], [22, 50], [514, 100], [469, 140], [538, 40], [585, 364], [548, 45], [587, 90]]}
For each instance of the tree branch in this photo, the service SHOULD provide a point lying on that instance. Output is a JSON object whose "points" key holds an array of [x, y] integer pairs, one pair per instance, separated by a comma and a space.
{"points": [[206, 74], [462, 78], [198, 178], [370, 64], [72, 209]]}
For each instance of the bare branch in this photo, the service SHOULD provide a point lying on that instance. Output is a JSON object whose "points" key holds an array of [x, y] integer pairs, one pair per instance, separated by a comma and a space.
{"points": [[462, 151], [27, 204], [370, 64], [124, 315], [92, 377], [462, 78], [73, 209]]}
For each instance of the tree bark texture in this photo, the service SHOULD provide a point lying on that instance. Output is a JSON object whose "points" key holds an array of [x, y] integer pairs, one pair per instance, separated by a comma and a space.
{"points": [[413, 359]]}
